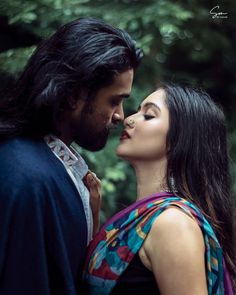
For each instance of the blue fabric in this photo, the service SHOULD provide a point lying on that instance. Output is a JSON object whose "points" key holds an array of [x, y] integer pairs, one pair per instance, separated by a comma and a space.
{"points": [[43, 229]]}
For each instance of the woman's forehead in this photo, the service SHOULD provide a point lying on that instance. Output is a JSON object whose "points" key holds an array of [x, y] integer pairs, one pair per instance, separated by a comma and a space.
{"points": [[157, 97]]}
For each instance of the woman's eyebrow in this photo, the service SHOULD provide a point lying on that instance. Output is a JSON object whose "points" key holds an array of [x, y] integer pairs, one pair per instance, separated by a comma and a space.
{"points": [[149, 104]]}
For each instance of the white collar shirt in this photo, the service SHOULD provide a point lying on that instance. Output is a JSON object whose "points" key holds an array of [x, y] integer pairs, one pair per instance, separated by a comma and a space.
{"points": [[77, 168]]}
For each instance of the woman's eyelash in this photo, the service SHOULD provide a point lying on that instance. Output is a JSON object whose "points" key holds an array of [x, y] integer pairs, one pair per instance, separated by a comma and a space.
{"points": [[148, 117]]}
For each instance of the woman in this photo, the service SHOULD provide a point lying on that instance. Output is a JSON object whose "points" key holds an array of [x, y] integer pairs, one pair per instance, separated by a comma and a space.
{"points": [[177, 238]]}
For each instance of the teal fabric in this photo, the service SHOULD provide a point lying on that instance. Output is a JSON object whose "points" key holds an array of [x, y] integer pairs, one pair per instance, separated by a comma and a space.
{"points": [[121, 238]]}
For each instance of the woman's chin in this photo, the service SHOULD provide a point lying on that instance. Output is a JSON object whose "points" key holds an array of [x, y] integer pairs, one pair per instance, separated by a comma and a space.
{"points": [[120, 152]]}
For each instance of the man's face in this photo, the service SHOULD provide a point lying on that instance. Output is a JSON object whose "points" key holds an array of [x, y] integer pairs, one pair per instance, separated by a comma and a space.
{"points": [[91, 122]]}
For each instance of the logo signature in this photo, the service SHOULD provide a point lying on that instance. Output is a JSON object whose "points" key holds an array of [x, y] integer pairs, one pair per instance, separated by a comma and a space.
{"points": [[218, 14]]}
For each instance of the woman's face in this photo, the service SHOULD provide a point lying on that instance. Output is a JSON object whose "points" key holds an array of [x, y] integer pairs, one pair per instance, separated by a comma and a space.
{"points": [[144, 136]]}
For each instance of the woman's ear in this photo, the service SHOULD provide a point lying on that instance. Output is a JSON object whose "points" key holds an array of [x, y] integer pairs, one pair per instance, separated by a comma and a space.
{"points": [[168, 149]]}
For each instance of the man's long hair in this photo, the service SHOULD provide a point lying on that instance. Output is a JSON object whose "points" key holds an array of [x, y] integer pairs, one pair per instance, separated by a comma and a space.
{"points": [[79, 59], [198, 160]]}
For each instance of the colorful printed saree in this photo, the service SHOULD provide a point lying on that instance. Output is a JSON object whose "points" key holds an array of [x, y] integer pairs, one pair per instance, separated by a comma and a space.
{"points": [[122, 236]]}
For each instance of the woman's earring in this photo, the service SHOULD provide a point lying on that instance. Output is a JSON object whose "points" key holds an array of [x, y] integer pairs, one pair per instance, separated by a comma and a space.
{"points": [[172, 184]]}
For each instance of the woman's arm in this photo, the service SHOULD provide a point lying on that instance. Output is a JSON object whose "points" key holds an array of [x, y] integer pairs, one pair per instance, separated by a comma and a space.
{"points": [[175, 248]]}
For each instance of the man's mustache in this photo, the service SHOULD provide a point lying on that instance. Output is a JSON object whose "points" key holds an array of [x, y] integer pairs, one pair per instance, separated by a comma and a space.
{"points": [[112, 126]]}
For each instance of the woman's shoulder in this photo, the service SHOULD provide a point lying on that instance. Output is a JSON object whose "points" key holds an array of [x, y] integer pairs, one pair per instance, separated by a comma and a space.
{"points": [[175, 246], [175, 235], [174, 224]]}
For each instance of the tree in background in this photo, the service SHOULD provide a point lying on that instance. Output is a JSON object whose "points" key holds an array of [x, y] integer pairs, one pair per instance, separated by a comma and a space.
{"points": [[183, 41]]}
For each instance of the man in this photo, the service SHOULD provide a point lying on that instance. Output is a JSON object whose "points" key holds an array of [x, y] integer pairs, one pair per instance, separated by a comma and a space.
{"points": [[72, 90]]}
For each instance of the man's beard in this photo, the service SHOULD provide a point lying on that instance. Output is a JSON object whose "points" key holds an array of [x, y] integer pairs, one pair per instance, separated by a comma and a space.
{"points": [[86, 132]]}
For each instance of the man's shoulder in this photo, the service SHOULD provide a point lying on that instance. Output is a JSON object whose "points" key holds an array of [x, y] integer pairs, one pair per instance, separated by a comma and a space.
{"points": [[27, 156], [29, 168], [18, 145]]}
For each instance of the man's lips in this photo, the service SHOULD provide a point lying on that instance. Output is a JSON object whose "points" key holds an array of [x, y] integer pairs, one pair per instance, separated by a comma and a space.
{"points": [[124, 135]]}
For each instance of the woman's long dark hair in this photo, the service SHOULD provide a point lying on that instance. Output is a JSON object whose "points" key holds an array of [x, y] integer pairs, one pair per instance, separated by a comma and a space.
{"points": [[198, 160], [79, 59]]}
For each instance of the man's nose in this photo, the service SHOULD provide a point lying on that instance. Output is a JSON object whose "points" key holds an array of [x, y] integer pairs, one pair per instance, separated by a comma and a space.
{"points": [[118, 115]]}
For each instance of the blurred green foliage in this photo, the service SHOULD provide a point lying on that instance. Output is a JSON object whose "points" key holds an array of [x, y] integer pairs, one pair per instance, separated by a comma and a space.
{"points": [[181, 40]]}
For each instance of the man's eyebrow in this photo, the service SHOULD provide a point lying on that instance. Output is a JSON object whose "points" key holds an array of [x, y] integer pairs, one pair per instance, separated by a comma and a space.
{"points": [[122, 95], [149, 104]]}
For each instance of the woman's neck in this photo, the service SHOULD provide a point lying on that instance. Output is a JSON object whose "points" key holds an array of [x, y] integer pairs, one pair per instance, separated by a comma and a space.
{"points": [[151, 178]]}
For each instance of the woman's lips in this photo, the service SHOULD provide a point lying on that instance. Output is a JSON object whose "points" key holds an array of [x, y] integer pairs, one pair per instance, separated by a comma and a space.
{"points": [[124, 135]]}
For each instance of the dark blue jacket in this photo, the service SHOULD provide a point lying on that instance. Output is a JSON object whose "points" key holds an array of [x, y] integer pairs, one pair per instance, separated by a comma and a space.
{"points": [[43, 230]]}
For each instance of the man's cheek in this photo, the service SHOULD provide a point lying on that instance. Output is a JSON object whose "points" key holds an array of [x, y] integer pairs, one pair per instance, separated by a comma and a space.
{"points": [[106, 120]]}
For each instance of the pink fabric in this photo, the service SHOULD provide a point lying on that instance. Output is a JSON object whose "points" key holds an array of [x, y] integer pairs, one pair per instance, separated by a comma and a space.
{"points": [[227, 281]]}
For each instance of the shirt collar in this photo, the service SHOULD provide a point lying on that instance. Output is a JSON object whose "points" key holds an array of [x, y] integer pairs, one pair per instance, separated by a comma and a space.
{"points": [[69, 156]]}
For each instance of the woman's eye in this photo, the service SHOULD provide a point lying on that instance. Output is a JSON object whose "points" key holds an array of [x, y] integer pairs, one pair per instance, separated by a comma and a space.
{"points": [[148, 117]]}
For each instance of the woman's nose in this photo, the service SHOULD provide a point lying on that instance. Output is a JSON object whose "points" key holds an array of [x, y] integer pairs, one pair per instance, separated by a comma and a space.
{"points": [[129, 121]]}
